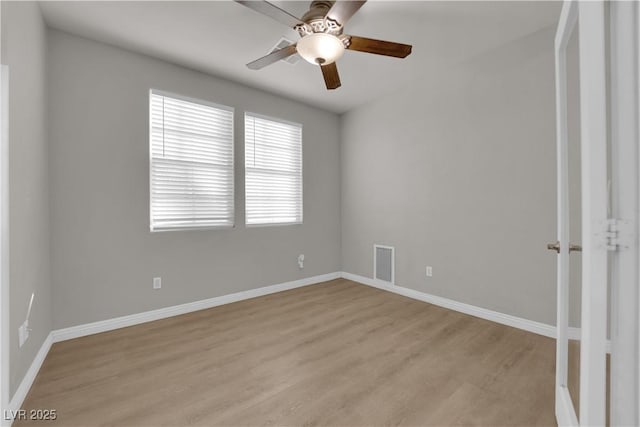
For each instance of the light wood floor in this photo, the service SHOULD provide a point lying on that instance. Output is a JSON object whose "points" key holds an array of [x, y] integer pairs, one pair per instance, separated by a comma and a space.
{"points": [[337, 353]]}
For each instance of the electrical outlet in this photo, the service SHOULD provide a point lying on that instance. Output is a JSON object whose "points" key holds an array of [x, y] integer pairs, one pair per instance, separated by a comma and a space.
{"points": [[23, 333], [301, 261], [157, 282], [429, 271]]}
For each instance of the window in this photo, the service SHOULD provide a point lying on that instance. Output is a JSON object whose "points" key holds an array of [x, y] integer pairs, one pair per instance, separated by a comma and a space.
{"points": [[191, 145], [273, 168]]}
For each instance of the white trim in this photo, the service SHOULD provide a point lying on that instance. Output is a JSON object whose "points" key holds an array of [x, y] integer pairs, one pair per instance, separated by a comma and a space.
{"points": [[272, 224], [472, 310], [28, 379], [624, 86], [154, 228], [149, 316], [272, 119], [190, 99], [249, 115], [393, 263], [135, 319], [593, 145], [565, 413], [4, 241], [637, 51], [176, 310], [637, 219], [483, 313]]}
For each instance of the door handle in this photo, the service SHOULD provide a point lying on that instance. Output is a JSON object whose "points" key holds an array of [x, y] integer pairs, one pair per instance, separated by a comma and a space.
{"points": [[556, 247]]}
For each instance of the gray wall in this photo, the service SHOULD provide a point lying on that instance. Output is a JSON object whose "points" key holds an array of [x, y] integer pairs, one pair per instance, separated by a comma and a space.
{"points": [[458, 172], [103, 255], [423, 170], [24, 51]]}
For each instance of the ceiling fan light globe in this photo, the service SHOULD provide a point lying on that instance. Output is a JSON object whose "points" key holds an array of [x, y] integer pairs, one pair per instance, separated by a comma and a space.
{"points": [[320, 48]]}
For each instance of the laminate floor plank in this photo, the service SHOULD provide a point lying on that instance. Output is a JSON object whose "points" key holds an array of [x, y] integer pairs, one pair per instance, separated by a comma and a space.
{"points": [[337, 353]]}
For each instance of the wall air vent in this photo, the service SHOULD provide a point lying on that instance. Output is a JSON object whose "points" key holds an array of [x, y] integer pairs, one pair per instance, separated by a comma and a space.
{"points": [[284, 42], [383, 263]]}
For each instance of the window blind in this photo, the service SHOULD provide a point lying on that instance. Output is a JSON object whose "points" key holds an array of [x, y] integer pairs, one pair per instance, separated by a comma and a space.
{"points": [[273, 171], [191, 163]]}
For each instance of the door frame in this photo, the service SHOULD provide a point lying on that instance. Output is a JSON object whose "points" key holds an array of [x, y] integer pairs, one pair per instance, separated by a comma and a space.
{"points": [[595, 225], [625, 201], [4, 245]]}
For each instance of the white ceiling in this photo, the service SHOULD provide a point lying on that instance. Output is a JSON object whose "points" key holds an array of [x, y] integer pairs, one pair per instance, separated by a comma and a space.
{"points": [[220, 37]]}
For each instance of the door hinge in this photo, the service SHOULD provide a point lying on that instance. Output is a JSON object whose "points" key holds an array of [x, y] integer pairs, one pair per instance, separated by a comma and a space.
{"points": [[618, 234]]}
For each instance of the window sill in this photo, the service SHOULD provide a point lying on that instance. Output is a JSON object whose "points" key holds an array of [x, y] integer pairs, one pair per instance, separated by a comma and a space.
{"points": [[194, 228], [275, 224]]}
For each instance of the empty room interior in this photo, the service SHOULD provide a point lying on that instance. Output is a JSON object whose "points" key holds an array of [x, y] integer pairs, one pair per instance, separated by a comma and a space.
{"points": [[300, 213]]}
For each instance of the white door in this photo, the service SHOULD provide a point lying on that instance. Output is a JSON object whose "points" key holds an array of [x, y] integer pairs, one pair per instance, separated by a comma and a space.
{"points": [[588, 20]]}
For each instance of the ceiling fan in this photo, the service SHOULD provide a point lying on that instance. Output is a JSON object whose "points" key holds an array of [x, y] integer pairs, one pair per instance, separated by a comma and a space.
{"points": [[322, 40]]}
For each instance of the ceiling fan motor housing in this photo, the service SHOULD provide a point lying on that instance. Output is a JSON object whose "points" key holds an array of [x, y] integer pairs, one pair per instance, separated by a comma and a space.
{"points": [[316, 21], [317, 10]]}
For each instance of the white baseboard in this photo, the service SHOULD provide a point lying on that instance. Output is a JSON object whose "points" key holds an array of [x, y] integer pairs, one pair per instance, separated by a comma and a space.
{"points": [[25, 385], [483, 313], [135, 319], [163, 313]]}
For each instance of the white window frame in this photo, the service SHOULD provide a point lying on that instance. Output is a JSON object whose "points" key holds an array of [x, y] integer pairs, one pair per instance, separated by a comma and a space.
{"points": [[209, 104], [287, 122]]}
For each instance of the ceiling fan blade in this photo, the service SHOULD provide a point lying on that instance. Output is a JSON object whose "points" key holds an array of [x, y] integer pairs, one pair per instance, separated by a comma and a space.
{"points": [[274, 56], [331, 77], [272, 11], [379, 47], [343, 10]]}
